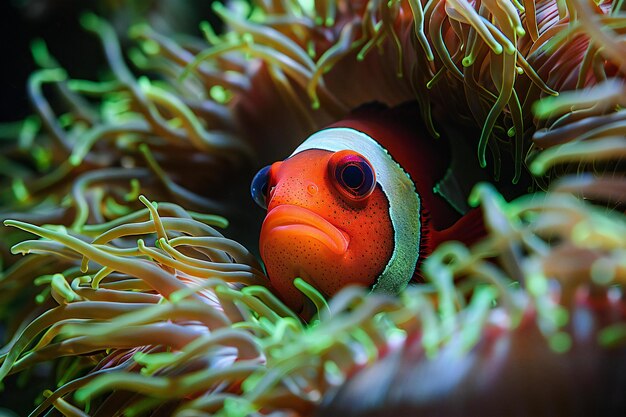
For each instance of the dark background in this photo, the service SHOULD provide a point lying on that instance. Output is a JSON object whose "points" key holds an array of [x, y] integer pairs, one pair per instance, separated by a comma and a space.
{"points": [[57, 22], [23, 21]]}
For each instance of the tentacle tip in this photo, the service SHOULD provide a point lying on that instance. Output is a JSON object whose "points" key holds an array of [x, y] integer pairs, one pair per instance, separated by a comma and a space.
{"points": [[541, 108], [10, 223], [217, 7], [560, 342], [138, 29], [537, 169], [478, 192], [75, 160], [17, 251], [89, 21], [144, 82], [143, 200], [82, 395]]}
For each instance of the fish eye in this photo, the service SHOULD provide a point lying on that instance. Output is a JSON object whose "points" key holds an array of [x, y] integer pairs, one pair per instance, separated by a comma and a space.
{"points": [[259, 186], [353, 175]]}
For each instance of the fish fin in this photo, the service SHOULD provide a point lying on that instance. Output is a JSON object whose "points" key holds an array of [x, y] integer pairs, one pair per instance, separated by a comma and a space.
{"points": [[450, 190], [463, 170], [426, 244], [468, 229]]}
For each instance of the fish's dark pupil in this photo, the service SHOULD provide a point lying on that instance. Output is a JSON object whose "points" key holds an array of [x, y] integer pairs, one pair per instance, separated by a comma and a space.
{"points": [[352, 176]]}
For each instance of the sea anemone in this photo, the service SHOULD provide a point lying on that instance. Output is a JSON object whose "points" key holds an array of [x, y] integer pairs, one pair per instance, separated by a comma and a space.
{"points": [[145, 308]]}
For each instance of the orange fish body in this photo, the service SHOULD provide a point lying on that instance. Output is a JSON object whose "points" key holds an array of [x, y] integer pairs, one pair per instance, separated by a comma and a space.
{"points": [[359, 202]]}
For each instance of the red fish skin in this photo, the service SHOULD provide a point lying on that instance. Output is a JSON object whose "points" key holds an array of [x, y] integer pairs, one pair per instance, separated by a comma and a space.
{"points": [[401, 131], [291, 249], [307, 247]]}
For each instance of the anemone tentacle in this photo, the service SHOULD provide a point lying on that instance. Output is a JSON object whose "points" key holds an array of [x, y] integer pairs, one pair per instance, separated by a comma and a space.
{"points": [[152, 298]]}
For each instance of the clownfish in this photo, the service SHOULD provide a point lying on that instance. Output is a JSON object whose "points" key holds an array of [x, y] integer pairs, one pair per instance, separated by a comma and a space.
{"points": [[362, 201]]}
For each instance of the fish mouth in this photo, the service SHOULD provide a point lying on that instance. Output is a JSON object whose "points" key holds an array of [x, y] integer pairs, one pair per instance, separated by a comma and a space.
{"points": [[299, 220]]}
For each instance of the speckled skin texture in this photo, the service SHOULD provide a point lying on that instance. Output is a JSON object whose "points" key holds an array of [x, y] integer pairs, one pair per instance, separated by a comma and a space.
{"points": [[291, 251]]}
